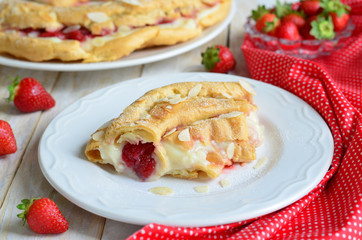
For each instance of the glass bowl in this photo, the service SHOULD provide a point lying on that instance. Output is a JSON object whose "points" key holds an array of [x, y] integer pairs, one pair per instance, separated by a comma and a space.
{"points": [[307, 49]]}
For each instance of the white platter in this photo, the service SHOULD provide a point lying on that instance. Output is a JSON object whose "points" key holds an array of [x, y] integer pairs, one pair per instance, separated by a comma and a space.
{"points": [[298, 145], [136, 58]]}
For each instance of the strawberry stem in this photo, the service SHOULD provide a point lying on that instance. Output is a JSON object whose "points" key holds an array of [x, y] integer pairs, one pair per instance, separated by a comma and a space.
{"points": [[259, 12], [25, 205], [322, 28], [210, 57], [15, 82]]}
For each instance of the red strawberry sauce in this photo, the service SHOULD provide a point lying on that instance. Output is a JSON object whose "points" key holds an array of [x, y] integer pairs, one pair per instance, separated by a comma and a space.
{"points": [[80, 34], [138, 157]]}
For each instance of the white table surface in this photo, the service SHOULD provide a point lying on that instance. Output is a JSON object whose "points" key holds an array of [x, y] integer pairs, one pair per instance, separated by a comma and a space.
{"points": [[20, 175]]}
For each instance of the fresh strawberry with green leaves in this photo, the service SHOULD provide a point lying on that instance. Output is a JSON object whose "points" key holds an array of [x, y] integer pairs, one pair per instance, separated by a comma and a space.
{"points": [[296, 18], [322, 28], [339, 22], [268, 24], [43, 216], [259, 12], [310, 7], [7, 139], [338, 11], [288, 30], [218, 59], [29, 95], [282, 9]]}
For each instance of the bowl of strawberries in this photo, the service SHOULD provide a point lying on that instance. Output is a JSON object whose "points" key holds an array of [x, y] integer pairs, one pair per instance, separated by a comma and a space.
{"points": [[306, 29]]}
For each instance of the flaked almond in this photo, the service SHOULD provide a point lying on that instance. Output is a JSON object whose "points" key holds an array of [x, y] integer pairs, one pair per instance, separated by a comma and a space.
{"points": [[195, 90], [53, 15], [161, 190], [224, 183], [33, 34], [132, 2], [98, 136], [230, 150], [247, 87], [230, 114], [169, 107], [174, 99], [202, 189], [226, 95], [98, 42], [260, 162], [184, 135], [170, 132], [98, 17], [71, 28]]}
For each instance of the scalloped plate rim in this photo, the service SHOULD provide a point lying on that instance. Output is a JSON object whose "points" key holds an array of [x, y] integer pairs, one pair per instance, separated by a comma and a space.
{"points": [[128, 215]]}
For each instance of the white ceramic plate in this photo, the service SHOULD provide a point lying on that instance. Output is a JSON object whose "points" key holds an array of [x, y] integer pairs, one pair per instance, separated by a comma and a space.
{"points": [[298, 145], [136, 58]]}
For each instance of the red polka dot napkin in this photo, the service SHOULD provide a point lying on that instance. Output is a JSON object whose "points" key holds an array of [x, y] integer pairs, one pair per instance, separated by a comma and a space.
{"points": [[333, 86]]}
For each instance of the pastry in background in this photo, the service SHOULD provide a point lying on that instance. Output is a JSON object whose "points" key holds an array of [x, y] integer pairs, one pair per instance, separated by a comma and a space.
{"points": [[100, 31]]}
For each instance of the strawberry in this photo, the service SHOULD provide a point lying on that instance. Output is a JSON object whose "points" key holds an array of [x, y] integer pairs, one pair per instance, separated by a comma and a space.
{"points": [[29, 95], [305, 30], [259, 12], [268, 24], [288, 30], [295, 18], [339, 13], [339, 22], [7, 139], [322, 28], [218, 59], [43, 216], [310, 7]]}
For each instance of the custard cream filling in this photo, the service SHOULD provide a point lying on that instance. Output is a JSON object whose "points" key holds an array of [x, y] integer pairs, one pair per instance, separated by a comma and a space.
{"points": [[177, 157], [125, 30]]}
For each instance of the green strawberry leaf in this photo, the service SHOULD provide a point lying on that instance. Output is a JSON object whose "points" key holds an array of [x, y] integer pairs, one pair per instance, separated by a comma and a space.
{"points": [[282, 9], [270, 26], [210, 57], [25, 205], [335, 6], [12, 87], [322, 28], [259, 12]]}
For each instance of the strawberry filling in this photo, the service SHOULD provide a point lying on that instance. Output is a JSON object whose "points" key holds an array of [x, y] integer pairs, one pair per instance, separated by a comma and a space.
{"points": [[81, 34], [138, 157]]}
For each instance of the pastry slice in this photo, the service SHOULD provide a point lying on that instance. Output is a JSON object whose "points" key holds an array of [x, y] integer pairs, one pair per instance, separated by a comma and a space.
{"points": [[181, 130], [96, 31]]}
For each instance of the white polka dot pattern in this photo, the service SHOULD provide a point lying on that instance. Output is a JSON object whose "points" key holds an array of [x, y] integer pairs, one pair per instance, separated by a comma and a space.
{"points": [[333, 210]]}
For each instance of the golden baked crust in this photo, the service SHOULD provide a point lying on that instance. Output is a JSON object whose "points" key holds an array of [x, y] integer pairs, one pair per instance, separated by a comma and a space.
{"points": [[193, 126], [111, 29], [62, 2]]}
